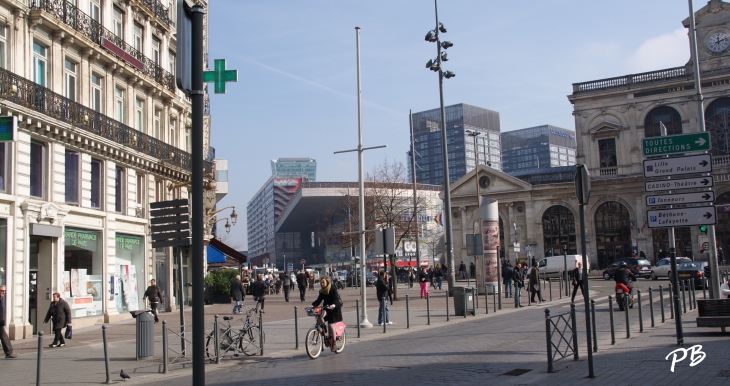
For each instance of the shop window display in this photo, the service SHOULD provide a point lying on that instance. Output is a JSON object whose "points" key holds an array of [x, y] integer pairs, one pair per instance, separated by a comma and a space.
{"points": [[129, 283], [82, 272]]}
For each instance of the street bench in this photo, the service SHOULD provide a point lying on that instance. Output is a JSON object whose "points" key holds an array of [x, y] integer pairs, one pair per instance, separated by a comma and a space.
{"points": [[713, 313]]}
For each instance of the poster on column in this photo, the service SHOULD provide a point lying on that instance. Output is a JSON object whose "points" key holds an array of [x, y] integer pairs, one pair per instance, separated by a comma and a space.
{"points": [[129, 281], [78, 282], [490, 239]]}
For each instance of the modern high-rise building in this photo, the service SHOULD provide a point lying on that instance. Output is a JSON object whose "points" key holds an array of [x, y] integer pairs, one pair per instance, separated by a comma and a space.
{"points": [[460, 120], [294, 167], [537, 147]]}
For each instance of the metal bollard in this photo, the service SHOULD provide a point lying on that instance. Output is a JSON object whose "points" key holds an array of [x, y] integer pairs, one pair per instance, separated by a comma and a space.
{"points": [[165, 358], [661, 302], [408, 311], [296, 328], [106, 355], [610, 314], [464, 297], [694, 295], [216, 340], [560, 291], [385, 322], [684, 300], [671, 303], [261, 331], [626, 311], [428, 311], [357, 309], [447, 305], [704, 288], [474, 302], [690, 286], [39, 361], [550, 287], [641, 318], [547, 339], [651, 306], [593, 324], [486, 299], [494, 298], [575, 332]]}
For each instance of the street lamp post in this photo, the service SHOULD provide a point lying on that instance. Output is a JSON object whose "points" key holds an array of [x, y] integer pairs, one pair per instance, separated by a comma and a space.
{"points": [[415, 191], [436, 66]]}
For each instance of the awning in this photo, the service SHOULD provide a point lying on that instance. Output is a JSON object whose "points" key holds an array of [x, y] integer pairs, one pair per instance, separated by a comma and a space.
{"points": [[215, 256], [228, 251]]}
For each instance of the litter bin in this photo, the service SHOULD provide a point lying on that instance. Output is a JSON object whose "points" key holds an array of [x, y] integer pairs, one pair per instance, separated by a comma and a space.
{"points": [[463, 300], [145, 334]]}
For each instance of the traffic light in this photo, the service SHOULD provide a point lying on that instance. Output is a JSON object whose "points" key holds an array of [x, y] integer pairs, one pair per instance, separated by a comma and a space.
{"points": [[703, 229], [550, 252]]}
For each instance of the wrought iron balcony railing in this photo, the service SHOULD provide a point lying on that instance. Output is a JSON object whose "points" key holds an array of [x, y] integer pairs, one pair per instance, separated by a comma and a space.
{"points": [[45, 101], [92, 29], [159, 10]]}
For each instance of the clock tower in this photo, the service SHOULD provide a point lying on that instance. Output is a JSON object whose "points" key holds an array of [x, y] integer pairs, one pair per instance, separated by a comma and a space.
{"points": [[713, 35]]}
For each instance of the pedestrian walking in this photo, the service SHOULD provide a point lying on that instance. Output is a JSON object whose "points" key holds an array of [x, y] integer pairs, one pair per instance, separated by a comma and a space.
{"points": [[293, 280], [59, 313], [534, 281], [237, 293], [4, 339], [462, 270], [577, 281], [423, 282], [258, 290], [311, 281], [438, 276], [155, 297], [518, 278], [472, 270], [720, 256], [383, 291], [431, 277], [302, 283], [507, 280], [411, 277], [285, 279]]}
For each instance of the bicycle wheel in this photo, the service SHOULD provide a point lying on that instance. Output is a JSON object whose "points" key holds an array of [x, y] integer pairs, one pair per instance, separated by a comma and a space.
{"points": [[250, 341], [313, 343], [340, 342], [210, 348]]}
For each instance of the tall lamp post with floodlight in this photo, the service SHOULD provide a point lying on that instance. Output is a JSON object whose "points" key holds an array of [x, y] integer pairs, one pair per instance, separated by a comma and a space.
{"points": [[435, 65]]}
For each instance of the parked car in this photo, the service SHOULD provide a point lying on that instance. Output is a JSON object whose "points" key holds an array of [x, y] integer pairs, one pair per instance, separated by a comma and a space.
{"points": [[664, 267], [353, 278], [638, 266], [692, 270]]}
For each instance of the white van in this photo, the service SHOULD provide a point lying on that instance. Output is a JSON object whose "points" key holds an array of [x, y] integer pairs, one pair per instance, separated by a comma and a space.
{"points": [[553, 266]]}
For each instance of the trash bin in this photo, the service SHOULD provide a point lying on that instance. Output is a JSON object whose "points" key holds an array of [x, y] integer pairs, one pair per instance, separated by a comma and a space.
{"points": [[145, 334], [463, 300]]}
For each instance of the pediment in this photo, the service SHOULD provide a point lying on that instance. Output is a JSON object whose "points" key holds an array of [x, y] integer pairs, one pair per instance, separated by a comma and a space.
{"points": [[493, 181], [605, 129]]}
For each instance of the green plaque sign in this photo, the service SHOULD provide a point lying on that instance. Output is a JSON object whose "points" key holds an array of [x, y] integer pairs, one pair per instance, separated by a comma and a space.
{"points": [[671, 144]]}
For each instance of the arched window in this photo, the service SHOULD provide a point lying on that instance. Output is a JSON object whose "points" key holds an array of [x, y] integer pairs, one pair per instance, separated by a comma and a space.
{"points": [[664, 114], [717, 122], [558, 230], [613, 233]]}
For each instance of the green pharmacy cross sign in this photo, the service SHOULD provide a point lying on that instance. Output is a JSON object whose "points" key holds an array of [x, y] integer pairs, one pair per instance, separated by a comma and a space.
{"points": [[219, 76], [681, 143]]}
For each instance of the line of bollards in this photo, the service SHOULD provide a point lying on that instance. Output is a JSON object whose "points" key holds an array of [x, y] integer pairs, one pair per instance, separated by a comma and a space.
{"points": [[610, 314], [550, 287], [641, 318], [593, 325], [486, 300], [684, 297], [671, 303], [548, 337]]}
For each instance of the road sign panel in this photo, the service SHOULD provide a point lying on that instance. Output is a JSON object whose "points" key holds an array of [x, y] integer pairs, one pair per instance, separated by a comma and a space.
{"points": [[678, 166], [302, 262], [681, 217], [682, 183], [672, 144], [681, 198]]}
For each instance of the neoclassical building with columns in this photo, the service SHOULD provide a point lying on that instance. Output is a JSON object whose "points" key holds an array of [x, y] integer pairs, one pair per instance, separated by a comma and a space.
{"points": [[612, 116], [102, 131]]}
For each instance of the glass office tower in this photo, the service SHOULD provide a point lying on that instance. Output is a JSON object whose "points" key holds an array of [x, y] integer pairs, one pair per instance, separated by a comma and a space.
{"points": [[294, 167], [537, 147]]}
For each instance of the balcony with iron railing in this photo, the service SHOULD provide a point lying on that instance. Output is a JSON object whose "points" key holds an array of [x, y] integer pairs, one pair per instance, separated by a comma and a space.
{"points": [[94, 31], [156, 8], [26, 93]]}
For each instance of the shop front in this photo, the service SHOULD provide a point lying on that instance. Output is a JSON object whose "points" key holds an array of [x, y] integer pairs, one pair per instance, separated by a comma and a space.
{"points": [[128, 280], [83, 277]]}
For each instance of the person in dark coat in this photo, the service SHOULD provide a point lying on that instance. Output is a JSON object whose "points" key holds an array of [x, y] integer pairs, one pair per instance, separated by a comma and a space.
{"points": [[462, 270], [4, 339], [59, 313], [518, 278], [383, 291], [535, 288], [238, 294], [507, 280], [153, 293], [302, 283], [332, 312], [258, 290], [286, 284], [577, 281]]}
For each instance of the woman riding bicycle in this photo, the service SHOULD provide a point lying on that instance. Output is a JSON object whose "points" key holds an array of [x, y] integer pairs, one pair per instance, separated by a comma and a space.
{"points": [[333, 314]]}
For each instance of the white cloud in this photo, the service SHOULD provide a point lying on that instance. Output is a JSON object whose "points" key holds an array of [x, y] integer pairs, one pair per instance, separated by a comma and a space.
{"points": [[664, 51]]}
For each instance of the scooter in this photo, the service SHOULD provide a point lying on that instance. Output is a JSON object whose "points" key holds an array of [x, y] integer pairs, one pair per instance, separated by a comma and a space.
{"points": [[622, 293]]}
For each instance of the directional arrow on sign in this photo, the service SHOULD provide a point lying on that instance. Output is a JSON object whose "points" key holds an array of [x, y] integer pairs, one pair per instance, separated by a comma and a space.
{"points": [[706, 196], [707, 215], [700, 141], [680, 198], [703, 163]]}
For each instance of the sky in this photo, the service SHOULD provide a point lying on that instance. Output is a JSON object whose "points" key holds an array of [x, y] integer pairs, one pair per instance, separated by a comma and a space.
{"points": [[296, 94]]}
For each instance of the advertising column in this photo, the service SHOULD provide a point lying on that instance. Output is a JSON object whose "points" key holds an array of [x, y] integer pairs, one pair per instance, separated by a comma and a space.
{"points": [[490, 239]]}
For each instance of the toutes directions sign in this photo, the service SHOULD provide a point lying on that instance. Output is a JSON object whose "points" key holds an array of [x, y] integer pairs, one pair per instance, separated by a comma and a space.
{"points": [[672, 144]]}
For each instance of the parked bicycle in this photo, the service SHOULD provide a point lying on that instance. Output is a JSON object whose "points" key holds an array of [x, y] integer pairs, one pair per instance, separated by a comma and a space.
{"points": [[233, 339], [318, 336]]}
